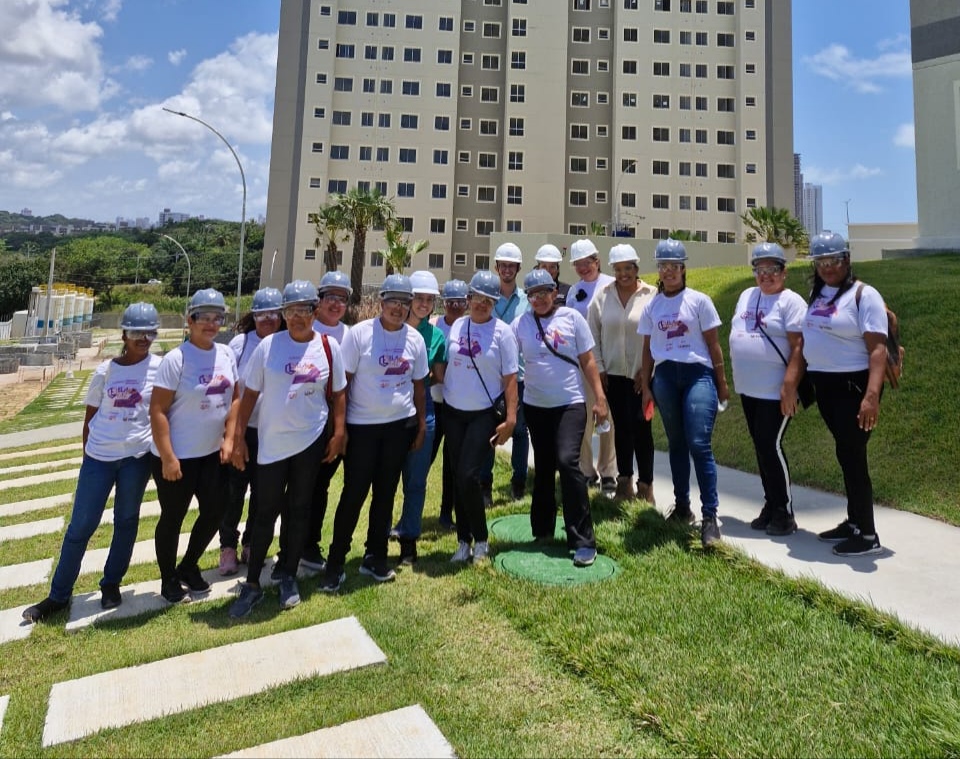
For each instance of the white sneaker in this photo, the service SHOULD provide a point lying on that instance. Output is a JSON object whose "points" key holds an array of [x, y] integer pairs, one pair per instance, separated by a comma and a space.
{"points": [[464, 552], [481, 551]]}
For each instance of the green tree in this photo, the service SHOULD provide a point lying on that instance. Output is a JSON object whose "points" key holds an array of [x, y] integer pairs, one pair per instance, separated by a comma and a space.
{"points": [[597, 229], [18, 275], [362, 209], [332, 226], [776, 225], [400, 251], [680, 234], [101, 261]]}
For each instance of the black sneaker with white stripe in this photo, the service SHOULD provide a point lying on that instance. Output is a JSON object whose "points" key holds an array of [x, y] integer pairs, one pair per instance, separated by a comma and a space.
{"points": [[859, 545], [843, 531]]}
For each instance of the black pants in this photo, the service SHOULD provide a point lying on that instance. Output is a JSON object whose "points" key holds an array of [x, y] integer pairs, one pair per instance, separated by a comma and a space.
{"points": [[767, 426], [286, 490], [203, 477], [468, 445], [556, 434], [374, 459], [838, 397], [632, 434], [448, 487], [237, 483]]}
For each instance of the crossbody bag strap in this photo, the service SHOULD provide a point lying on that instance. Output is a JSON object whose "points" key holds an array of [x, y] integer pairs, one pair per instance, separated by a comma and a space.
{"points": [[326, 349], [756, 321], [550, 347], [474, 362]]}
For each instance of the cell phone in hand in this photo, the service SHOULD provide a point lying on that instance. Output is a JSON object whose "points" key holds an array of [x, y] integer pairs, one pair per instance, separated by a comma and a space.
{"points": [[493, 441]]}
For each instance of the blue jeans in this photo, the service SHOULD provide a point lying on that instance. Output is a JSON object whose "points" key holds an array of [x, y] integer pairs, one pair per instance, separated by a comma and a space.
{"points": [[520, 452], [96, 480], [415, 471], [686, 397]]}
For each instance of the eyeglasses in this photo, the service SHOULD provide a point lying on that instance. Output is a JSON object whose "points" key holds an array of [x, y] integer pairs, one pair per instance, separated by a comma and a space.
{"points": [[479, 300], [829, 262], [207, 318], [540, 294], [425, 299], [394, 302], [456, 303], [291, 312], [141, 334], [767, 270], [266, 316], [586, 262], [334, 298], [663, 266]]}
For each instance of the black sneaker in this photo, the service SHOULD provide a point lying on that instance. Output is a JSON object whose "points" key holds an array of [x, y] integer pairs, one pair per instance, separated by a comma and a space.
{"points": [[333, 579], [110, 597], [250, 596], [681, 514], [446, 521], [709, 532], [172, 591], [783, 525], [763, 520], [39, 612], [858, 545], [518, 489], [841, 532], [408, 552], [191, 577], [593, 482], [378, 570], [289, 592], [313, 558], [608, 486]]}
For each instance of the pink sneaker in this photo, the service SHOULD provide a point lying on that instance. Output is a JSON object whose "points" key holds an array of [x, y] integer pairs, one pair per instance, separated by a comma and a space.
{"points": [[228, 561], [245, 555]]}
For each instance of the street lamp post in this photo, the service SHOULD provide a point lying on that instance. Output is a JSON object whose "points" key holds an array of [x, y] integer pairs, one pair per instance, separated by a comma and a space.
{"points": [[186, 257], [243, 210], [630, 168]]}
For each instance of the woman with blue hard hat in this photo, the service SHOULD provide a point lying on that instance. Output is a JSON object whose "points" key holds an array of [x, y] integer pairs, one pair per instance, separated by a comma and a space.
{"points": [[844, 346], [557, 350], [263, 319], [386, 364], [480, 407], [190, 414], [682, 371], [116, 439], [299, 376], [765, 338]]}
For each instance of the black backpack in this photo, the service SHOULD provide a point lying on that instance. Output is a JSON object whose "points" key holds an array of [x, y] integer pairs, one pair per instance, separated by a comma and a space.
{"points": [[894, 348]]}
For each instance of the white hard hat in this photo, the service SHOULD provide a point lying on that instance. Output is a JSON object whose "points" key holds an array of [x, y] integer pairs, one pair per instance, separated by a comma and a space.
{"points": [[549, 254], [508, 252], [582, 249], [622, 252], [424, 282]]}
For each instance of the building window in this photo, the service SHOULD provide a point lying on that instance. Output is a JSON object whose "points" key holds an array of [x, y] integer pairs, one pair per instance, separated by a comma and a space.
{"points": [[578, 165], [491, 29], [516, 127], [438, 226], [489, 94], [661, 68], [581, 34], [383, 121], [515, 160], [381, 187], [462, 226], [370, 52], [727, 205], [409, 121], [686, 38], [310, 254], [725, 105], [466, 91], [751, 134], [435, 260], [366, 153], [661, 201], [514, 195], [463, 156], [321, 78], [486, 194], [490, 62], [661, 5], [661, 134], [701, 201], [577, 230], [684, 169], [343, 84], [386, 53], [661, 168], [408, 155], [684, 134], [405, 189], [383, 155], [467, 59], [317, 147], [702, 104], [750, 101], [603, 33], [324, 10], [376, 259], [446, 24], [725, 8], [726, 171], [725, 137], [345, 51], [581, 5], [337, 186], [488, 127], [518, 93], [386, 86], [600, 197], [578, 198], [519, 27], [603, 66], [463, 191], [702, 6], [661, 36], [443, 89], [629, 5], [487, 160], [438, 191], [702, 170], [411, 88], [749, 4], [702, 39], [751, 68], [579, 99], [347, 18], [683, 202], [728, 237], [659, 233], [751, 202], [469, 26], [724, 39], [445, 56], [441, 123], [701, 71], [629, 99], [662, 101], [750, 168], [725, 72], [632, 34], [441, 157], [701, 136], [316, 183], [514, 225], [630, 67], [484, 228], [481, 261], [684, 102], [580, 67], [369, 85], [319, 113], [603, 98], [390, 20], [580, 132], [628, 199], [628, 132], [412, 21]]}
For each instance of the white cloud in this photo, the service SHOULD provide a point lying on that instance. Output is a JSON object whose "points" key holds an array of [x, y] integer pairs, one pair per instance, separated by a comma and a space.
{"points": [[904, 137], [110, 9], [176, 56], [7, 116], [818, 175], [138, 63], [836, 62]]}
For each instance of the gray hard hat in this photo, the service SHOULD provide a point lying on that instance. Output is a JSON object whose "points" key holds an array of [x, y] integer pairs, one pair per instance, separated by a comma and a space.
{"points": [[670, 250], [267, 299], [140, 316], [207, 299], [299, 291], [454, 289], [335, 280], [538, 279], [396, 286], [487, 284], [828, 244]]}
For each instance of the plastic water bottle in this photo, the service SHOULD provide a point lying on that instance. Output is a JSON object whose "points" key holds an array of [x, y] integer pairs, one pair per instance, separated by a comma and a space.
{"points": [[604, 428], [721, 406]]}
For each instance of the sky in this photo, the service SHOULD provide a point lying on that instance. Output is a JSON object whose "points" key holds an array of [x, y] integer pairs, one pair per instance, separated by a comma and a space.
{"points": [[82, 84]]}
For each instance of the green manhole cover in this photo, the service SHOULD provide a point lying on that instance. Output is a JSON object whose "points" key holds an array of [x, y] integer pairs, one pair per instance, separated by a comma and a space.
{"points": [[548, 564]]}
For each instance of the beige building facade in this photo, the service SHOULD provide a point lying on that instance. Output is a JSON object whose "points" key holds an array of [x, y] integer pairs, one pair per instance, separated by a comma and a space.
{"points": [[484, 118]]}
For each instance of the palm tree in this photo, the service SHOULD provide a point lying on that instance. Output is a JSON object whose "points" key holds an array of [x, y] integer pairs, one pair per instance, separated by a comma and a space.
{"points": [[776, 225], [680, 234], [362, 209], [597, 229], [400, 251], [330, 223]]}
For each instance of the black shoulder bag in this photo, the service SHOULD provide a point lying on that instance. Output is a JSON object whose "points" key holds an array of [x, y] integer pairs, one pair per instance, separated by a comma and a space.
{"points": [[805, 389], [498, 405]]}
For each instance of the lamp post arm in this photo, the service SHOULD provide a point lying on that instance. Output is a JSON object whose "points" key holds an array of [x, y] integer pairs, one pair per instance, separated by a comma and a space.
{"points": [[189, 271]]}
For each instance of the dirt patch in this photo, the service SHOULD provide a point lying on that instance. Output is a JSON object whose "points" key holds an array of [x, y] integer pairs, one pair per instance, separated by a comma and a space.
{"points": [[14, 396]]}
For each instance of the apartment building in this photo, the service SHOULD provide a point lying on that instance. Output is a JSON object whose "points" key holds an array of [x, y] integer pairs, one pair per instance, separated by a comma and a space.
{"points": [[528, 116], [812, 212]]}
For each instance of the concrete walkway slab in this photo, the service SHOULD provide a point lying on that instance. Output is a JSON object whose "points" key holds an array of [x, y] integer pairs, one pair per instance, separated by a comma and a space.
{"points": [[40, 466], [407, 732], [28, 573], [35, 504], [31, 529], [135, 694], [13, 626], [36, 479], [42, 435], [41, 451]]}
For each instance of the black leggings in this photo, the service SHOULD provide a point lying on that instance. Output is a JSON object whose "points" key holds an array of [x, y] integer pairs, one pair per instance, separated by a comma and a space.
{"points": [[467, 446], [632, 434]]}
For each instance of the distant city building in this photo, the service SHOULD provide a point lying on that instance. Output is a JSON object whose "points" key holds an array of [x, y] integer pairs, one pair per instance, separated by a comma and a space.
{"points": [[171, 217], [812, 214], [26, 212], [544, 116], [797, 187]]}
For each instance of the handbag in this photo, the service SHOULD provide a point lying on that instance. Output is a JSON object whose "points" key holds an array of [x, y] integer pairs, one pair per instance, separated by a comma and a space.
{"points": [[498, 405], [805, 390]]}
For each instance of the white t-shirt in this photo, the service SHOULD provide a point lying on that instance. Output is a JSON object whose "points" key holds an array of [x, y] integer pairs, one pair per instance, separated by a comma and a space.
{"points": [[581, 304], [757, 368], [384, 365], [436, 389], [291, 378], [203, 382], [833, 334], [337, 331], [676, 323], [243, 346], [121, 426], [494, 349], [551, 381]]}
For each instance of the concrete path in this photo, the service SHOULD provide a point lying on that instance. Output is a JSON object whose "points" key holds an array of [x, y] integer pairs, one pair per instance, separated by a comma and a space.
{"points": [[42, 435], [118, 697], [41, 451], [407, 732], [39, 466], [38, 504]]}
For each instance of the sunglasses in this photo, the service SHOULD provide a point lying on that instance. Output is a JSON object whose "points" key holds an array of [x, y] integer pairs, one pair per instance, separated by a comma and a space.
{"points": [[669, 267], [540, 294], [141, 334], [290, 312], [829, 262], [767, 270], [456, 303], [207, 318], [394, 302]]}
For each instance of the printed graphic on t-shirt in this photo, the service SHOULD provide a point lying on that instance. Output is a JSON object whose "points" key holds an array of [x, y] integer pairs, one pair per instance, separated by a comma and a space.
{"points": [[216, 384], [302, 372], [673, 328], [556, 339], [124, 396], [823, 309], [473, 349]]}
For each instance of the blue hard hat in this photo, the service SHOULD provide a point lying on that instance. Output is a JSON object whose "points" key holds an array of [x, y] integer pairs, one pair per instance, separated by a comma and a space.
{"points": [[670, 250], [140, 316], [768, 251], [828, 244], [396, 286], [299, 291], [267, 299], [335, 280], [454, 289], [538, 278], [486, 283], [207, 300]]}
